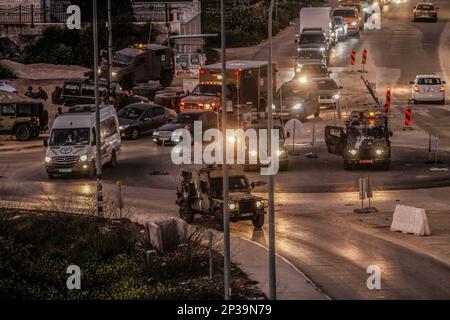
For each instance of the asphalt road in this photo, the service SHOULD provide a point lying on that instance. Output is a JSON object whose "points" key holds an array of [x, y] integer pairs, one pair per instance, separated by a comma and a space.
{"points": [[333, 254]]}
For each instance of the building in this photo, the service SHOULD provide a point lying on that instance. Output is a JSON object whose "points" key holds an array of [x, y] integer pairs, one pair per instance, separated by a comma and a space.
{"points": [[178, 17]]}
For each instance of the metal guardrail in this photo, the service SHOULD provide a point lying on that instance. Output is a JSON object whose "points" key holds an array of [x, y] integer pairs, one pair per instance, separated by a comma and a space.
{"points": [[26, 14]]}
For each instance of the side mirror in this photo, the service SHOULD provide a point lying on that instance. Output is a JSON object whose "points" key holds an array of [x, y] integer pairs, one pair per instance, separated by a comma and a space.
{"points": [[45, 143], [444, 82]]}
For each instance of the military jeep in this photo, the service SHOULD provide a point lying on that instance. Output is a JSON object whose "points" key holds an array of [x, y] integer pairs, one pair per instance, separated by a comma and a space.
{"points": [[200, 192]]}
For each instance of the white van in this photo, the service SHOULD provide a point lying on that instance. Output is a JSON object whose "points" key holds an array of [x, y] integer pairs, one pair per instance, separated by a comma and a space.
{"points": [[71, 144]]}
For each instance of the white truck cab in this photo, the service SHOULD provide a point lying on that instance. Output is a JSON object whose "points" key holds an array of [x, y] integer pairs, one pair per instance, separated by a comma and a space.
{"points": [[71, 145]]}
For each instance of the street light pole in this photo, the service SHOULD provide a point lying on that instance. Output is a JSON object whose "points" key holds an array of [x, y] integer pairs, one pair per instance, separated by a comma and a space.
{"points": [[271, 182], [109, 52], [226, 216], [98, 165]]}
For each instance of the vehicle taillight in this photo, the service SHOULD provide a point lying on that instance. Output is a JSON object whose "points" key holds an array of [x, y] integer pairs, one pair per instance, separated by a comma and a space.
{"points": [[202, 71], [416, 89], [442, 89]]}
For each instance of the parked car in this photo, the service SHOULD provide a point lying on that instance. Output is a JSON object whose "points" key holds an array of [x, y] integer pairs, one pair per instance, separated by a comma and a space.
{"points": [[22, 116], [295, 99], [184, 120], [313, 39], [142, 118], [329, 92], [428, 88], [7, 88]]}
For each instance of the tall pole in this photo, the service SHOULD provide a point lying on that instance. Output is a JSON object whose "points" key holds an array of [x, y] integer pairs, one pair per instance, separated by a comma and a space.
{"points": [[271, 184], [226, 216], [109, 52], [98, 165]]}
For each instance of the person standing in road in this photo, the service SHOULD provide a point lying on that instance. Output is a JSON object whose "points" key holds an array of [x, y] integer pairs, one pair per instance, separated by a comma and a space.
{"points": [[58, 112], [56, 95], [41, 94], [29, 93]]}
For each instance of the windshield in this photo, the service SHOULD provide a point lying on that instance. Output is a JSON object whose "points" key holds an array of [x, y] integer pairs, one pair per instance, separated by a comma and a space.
{"points": [[236, 183], [326, 85], [345, 13], [291, 90], [185, 118], [122, 58], [310, 55], [207, 90], [130, 113], [69, 137], [312, 38], [429, 81]]}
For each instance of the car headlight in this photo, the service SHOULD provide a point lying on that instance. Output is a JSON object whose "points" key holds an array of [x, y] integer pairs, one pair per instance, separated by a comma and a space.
{"points": [[297, 106], [322, 49], [353, 23], [232, 206], [48, 159], [253, 153], [207, 106], [379, 152], [280, 152], [336, 96], [353, 152], [123, 127], [114, 74], [156, 133], [273, 107], [303, 80], [259, 204], [83, 158]]}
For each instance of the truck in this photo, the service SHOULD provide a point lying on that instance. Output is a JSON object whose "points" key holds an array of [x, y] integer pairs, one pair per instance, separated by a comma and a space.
{"points": [[365, 139], [246, 87], [71, 146], [140, 63], [318, 18], [82, 91], [199, 191]]}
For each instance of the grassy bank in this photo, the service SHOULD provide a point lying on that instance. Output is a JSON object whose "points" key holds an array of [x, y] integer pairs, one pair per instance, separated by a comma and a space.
{"points": [[113, 255]]}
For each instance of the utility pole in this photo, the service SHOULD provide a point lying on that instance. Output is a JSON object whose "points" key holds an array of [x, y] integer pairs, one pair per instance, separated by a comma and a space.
{"points": [[226, 215], [109, 52], [271, 184], [98, 165]]}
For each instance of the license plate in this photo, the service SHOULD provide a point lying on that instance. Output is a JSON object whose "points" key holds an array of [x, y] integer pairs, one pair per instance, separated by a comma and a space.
{"points": [[65, 170], [365, 161]]}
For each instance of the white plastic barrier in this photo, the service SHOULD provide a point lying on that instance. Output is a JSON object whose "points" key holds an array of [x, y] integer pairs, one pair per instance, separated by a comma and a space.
{"points": [[410, 220]]}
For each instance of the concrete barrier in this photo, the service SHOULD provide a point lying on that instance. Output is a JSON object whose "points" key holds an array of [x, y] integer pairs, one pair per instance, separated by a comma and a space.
{"points": [[410, 220], [167, 234]]}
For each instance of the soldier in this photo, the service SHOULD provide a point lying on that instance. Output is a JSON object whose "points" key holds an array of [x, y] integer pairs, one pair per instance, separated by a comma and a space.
{"points": [[41, 94], [29, 93], [56, 95]]}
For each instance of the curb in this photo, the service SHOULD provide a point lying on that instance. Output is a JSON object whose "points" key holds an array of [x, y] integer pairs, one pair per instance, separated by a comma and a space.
{"points": [[290, 264]]}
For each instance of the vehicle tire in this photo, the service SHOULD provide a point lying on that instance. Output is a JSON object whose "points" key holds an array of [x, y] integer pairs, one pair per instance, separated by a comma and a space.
{"points": [[92, 171], [258, 221], [186, 213], [284, 166], [23, 132], [135, 133], [348, 166], [218, 215], [113, 161]]}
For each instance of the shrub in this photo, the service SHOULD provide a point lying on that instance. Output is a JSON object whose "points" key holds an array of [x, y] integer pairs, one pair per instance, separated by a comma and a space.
{"points": [[5, 73]]}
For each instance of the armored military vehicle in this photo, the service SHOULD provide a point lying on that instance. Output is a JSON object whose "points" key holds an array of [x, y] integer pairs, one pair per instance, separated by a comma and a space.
{"points": [[364, 140], [200, 192]]}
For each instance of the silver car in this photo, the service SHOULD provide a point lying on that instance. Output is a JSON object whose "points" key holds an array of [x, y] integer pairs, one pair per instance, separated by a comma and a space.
{"points": [[329, 92]]}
